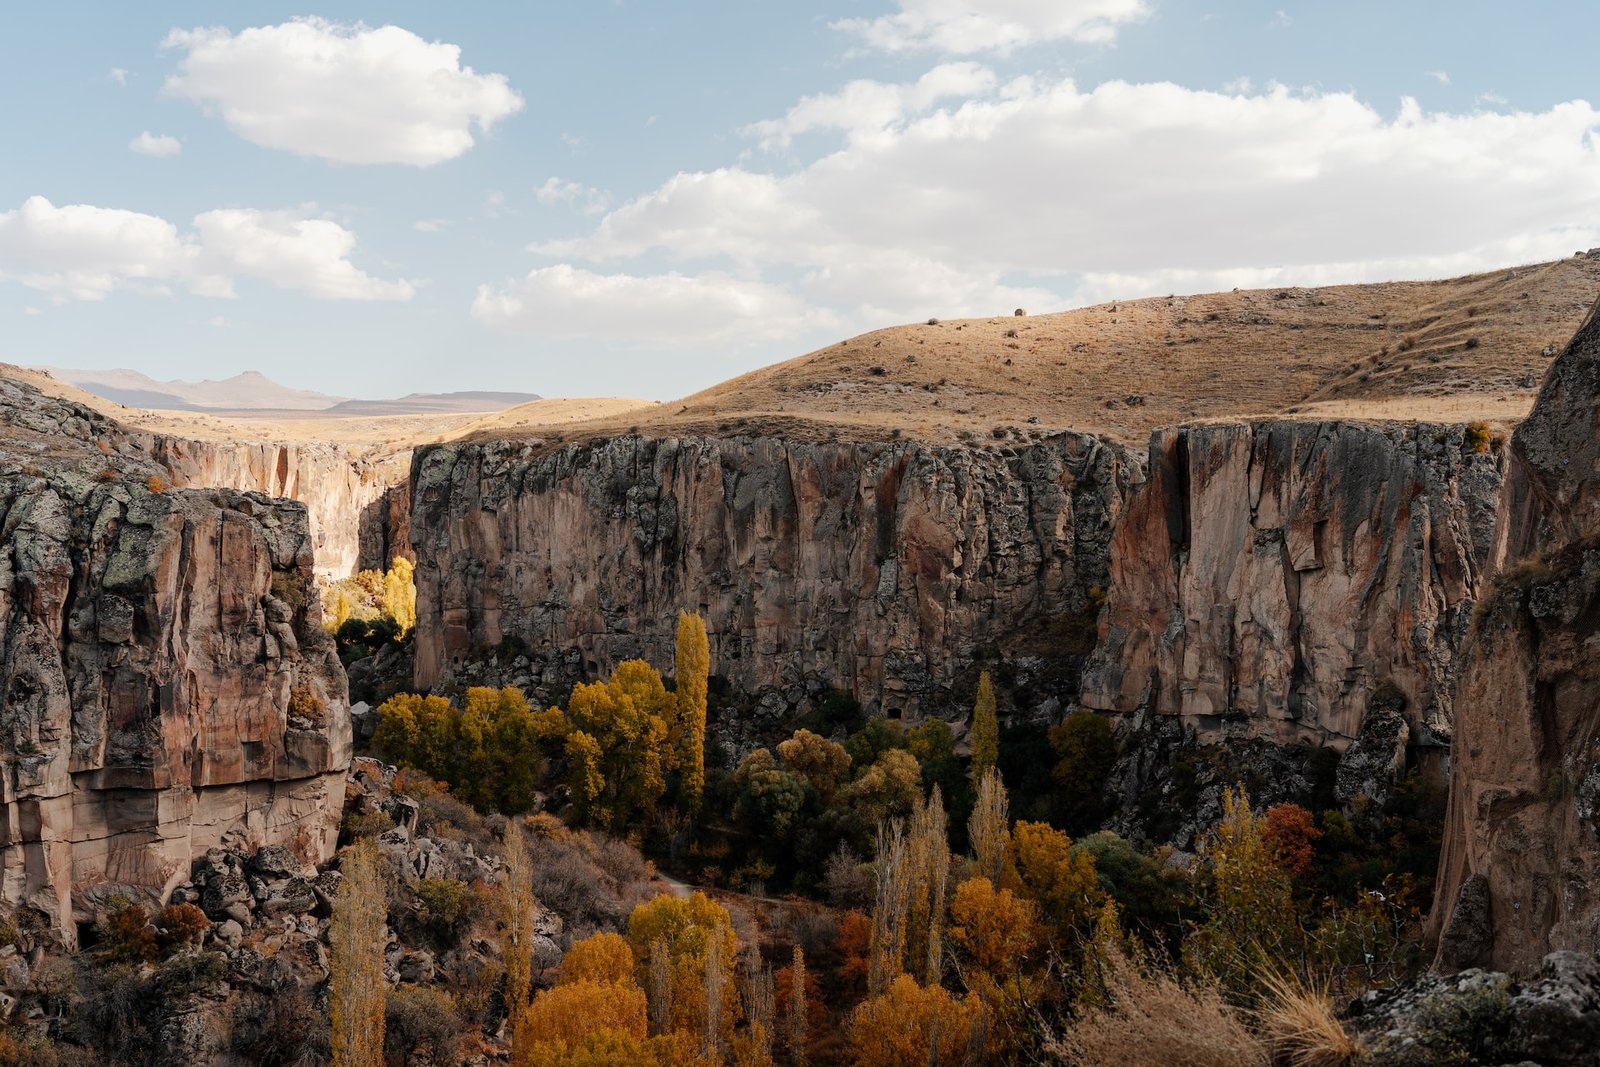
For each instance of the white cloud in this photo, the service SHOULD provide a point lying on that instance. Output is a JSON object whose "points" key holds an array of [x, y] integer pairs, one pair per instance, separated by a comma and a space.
{"points": [[1281, 20], [83, 252], [666, 309], [30, 310], [347, 93], [1492, 98], [1440, 76], [494, 203], [966, 27], [150, 144], [863, 107], [558, 192], [1150, 187], [220, 322], [311, 255], [431, 225], [118, 75]]}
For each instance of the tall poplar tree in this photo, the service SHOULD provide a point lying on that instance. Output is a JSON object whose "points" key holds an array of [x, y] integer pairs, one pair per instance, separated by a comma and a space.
{"points": [[985, 730], [692, 664]]}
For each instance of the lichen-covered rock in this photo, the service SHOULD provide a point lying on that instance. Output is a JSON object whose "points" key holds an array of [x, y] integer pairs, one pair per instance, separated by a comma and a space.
{"points": [[1270, 579], [1522, 794], [150, 642], [887, 569]]}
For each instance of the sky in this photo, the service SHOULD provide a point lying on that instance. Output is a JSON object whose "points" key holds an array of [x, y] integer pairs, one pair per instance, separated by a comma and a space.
{"points": [[644, 198]]}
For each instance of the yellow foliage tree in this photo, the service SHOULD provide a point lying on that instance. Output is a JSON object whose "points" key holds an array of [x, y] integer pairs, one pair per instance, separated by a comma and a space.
{"points": [[618, 767], [819, 761], [1063, 882], [399, 599], [356, 991], [602, 958], [989, 828], [614, 1048], [570, 1012], [994, 930], [913, 1025], [687, 929], [692, 662]]}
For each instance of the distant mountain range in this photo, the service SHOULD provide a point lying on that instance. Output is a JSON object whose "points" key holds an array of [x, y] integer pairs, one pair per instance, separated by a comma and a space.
{"points": [[254, 391]]}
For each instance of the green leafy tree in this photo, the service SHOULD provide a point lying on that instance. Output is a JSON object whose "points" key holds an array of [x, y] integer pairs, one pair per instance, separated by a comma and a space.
{"points": [[1086, 752], [985, 730]]}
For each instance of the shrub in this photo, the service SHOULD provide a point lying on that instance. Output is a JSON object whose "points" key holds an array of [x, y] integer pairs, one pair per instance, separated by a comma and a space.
{"points": [[1477, 439], [126, 932], [1153, 1018], [304, 703], [284, 1027], [447, 909], [183, 925], [156, 484], [421, 1026]]}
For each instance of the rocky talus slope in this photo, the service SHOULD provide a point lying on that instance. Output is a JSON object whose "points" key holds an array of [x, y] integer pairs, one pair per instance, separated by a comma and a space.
{"points": [[1271, 579], [1520, 874], [168, 686], [891, 569]]}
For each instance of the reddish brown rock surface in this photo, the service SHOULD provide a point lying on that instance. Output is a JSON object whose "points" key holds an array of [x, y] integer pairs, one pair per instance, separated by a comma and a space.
{"points": [[1524, 821], [1270, 578], [168, 687]]}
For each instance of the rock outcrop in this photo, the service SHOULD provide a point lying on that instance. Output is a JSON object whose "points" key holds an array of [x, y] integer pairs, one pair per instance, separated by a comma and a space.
{"points": [[1523, 831], [1298, 582], [887, 569], [168, 686], [353, 521]]}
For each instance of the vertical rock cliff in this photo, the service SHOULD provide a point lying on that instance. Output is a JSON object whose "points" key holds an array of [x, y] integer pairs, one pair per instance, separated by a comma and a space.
{"points": [[887, 569], [1273, 580], [167, 683], [1520, 872]]}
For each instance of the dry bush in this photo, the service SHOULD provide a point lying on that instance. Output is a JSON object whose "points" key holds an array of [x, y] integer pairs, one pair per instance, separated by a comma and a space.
{"points": [[1153, 1018], [1298, 1024], [422, 1026]]}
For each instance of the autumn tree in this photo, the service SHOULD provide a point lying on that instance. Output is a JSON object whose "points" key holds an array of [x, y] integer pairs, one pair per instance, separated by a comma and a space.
{"points": [[604, 958], [1061, 879], [988, 828], [518, 920], [889, 788], [356, 989], [985, 730], [993, 930], [821, 762], [690, 929], [399, 598], [796, 1030], [692, 666], [566, 1014], [928, 854], [890, 907], [617, 750], [910, 1024], [1292, 835]]}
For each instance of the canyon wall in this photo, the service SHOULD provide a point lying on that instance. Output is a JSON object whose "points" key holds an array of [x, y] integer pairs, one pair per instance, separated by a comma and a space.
{"points": [[888, 569], [346, 497], [168, 686], [1273, 580], [1520, 871]]}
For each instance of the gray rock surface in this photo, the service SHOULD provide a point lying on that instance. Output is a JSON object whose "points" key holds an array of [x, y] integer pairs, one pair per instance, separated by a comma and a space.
{"points": [[887, 569]]}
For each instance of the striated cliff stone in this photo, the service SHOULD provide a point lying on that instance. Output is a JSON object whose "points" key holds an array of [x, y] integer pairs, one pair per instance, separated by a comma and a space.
{"points": [[887, 569], [1524, 817], [167, 684], [353, 519], [1276, 580]]}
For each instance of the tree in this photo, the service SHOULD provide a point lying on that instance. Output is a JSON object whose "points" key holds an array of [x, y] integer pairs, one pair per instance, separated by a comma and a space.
{"points": [[399, 598], [988, 830], [690, 929], [1292, 835], [518, 921], [795, 1010], [1086, 752], [985, 730], [618, 764], [356, 939], [929, 858], [819, 761], [993, 929], [570, 1012], [604, 958], [692, 664], [770, 800], [1061, 879], [910, 1024], [887, 959], [889, 788]]}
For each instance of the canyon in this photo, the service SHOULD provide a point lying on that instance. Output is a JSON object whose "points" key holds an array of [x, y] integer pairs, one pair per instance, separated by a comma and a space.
{"points": [[1290, 579]]}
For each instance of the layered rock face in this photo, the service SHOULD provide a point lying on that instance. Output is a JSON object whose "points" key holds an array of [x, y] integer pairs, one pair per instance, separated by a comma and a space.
{"points": [[887, 569], [1298, 581], [352, 523], [168, 687], [1520, 872]]}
